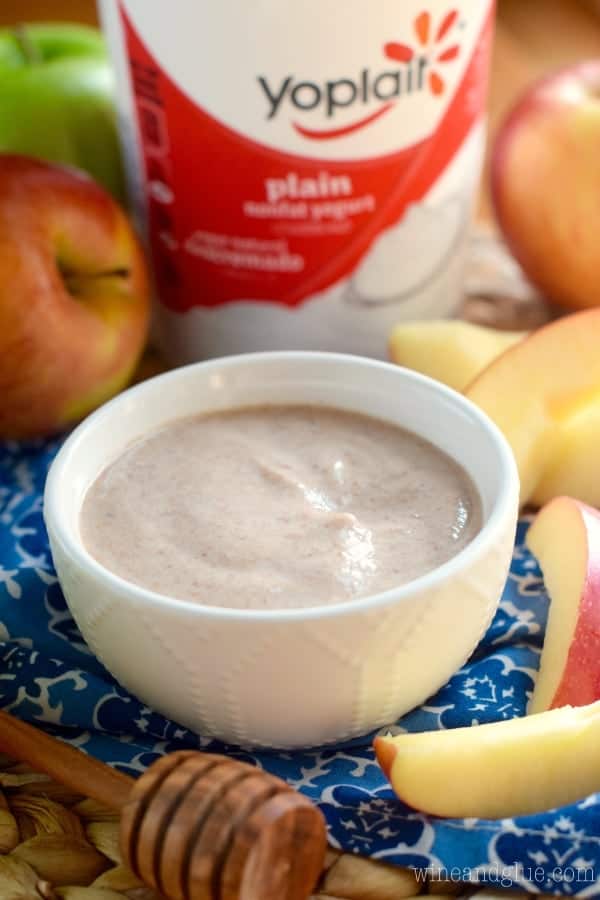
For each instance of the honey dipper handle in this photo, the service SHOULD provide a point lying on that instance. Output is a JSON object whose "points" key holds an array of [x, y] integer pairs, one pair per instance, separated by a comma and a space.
{"points": [[65, 764]]}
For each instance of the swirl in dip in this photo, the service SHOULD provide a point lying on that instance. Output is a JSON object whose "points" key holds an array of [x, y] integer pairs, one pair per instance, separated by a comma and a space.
{"points": [[275, 507]]}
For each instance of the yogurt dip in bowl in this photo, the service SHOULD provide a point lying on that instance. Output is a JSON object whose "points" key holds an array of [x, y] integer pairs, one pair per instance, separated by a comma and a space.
{"points": [[278, 507], [326, 632]]}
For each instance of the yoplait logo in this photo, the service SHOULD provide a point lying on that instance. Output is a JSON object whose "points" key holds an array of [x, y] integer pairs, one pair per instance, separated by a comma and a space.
{"points": [[421, 68], [435, 53]]}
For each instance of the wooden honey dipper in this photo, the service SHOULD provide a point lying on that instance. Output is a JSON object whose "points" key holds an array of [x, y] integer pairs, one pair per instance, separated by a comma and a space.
{"points": [[194, 826]]}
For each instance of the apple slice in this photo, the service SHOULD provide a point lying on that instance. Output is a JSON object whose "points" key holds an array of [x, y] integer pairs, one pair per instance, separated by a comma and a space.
{"points": [[449, 350], [565, 538], [573, 468], [510, 768], [534, 387]]}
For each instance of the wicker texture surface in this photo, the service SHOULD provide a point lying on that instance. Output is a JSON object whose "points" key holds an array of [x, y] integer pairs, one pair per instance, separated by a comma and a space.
{"points": [[55, 844]]}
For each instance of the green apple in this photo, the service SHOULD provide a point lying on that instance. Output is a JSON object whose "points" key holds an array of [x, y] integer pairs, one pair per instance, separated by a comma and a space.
{"points": [[57, 99]]}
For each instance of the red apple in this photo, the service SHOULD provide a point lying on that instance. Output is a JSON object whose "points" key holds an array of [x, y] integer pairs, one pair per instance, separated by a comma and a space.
{"points": [[565, 537], [546, 184], [73, 297]]}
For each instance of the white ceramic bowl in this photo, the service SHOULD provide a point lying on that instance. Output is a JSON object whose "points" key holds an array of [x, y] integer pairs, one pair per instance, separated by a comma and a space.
{"points": [[287, 678]]}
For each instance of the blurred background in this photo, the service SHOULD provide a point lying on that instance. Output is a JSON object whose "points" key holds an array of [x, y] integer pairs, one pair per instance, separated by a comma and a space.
{"points": [[519, 272], [532, 37]]}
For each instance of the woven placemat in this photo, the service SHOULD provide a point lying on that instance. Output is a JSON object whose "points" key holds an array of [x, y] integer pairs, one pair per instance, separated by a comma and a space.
{"points": [[55, 844]]}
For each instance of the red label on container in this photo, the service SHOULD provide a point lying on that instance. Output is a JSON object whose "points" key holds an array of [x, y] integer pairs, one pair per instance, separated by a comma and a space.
{"points": [[231, 218]]}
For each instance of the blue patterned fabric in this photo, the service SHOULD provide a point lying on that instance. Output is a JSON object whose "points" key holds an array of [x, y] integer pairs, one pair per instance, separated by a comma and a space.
{"points": [[48, 677]]}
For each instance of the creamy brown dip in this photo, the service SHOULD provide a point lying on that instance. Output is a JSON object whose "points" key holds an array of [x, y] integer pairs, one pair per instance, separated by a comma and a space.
{"points": [[275, 507]]}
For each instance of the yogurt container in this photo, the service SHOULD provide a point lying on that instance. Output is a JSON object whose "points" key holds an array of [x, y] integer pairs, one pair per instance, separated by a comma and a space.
{"points": [[303, 173]]}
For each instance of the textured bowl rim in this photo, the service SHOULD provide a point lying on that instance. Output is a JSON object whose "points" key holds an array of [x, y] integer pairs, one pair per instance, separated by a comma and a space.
{"points": [[74, 549]]}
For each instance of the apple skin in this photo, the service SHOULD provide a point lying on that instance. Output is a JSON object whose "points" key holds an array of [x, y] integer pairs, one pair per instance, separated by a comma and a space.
{"points": [[565, 538], [57, 99], [74, 297], [498, 770], [546, 183]]}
